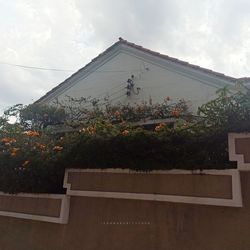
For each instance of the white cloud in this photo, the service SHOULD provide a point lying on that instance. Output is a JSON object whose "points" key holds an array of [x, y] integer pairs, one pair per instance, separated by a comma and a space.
{"points": [[68, 34]]}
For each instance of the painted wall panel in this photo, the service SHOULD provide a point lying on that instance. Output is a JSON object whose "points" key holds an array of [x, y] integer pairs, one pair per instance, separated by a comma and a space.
{"points": [[156, 82]]}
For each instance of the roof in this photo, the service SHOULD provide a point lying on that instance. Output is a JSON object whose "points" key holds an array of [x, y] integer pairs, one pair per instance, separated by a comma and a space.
{"points": [[154, 53]]}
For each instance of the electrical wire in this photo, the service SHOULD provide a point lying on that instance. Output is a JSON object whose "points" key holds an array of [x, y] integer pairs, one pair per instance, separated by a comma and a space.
{"points": [[36, 68], [90, 104], [119, 71], [109, 101], [106, 92], [110, 83], [114, 93], [86, 105], [63, 70], [102, 93], [118, 91], [108, 95], [124, 83]]}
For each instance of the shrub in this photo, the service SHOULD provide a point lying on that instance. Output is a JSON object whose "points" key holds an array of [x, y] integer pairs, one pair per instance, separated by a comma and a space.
{"points": [[34, 161]]}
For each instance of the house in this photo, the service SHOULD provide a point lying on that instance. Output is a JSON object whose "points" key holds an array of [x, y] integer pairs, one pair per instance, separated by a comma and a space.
{"points": [[127, 73]]}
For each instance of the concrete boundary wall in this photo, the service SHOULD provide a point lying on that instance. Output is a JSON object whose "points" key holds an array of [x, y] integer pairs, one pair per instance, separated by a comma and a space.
{"points": [[211, 187], [214, 187], [122, 209], [217, 188]]}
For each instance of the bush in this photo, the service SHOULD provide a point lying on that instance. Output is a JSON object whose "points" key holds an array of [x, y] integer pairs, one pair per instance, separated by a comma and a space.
{"points": [[32, 161], [29, 162]]}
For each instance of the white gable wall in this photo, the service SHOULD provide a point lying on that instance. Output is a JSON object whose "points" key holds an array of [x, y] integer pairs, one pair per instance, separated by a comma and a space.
{"points": [[159, 81]]}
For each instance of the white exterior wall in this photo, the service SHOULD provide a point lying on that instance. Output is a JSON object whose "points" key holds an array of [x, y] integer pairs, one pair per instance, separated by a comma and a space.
{"points": [[156, 83]]}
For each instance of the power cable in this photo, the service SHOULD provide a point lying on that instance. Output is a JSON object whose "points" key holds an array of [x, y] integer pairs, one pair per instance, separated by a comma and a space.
{"points": [[106, 92], [110, 83], [64, 70], [113, 99], [114, 93], [87, 105], [36, 68]]}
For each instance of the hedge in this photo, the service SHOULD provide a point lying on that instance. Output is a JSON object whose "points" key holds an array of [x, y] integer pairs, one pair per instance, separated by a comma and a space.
{"points": [[34, 161]]}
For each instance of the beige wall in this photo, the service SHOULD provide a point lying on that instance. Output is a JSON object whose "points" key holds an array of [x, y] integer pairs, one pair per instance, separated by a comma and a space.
{"points": [[158, 83], [30, 205], [194, 185], [102, 223]]}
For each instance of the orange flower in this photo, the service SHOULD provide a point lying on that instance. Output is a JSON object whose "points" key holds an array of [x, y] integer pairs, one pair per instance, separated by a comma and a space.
{"points": [[140, 109], [40, 146], [58, 148], [14, 151], [25, 163], [157, 128], [125, 132], [31, 133], [161, 126], [185, 125], [175, 113], [117, 113], [8, 140], [82, 130], [91, 130]]}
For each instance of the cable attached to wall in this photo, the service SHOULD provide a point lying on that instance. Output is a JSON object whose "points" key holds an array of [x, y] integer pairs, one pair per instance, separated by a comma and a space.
{"points": [[131, 88]]}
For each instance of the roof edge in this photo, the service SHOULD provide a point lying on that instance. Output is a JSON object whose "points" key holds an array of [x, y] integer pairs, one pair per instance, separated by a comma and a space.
{"points": [[154, 53]]}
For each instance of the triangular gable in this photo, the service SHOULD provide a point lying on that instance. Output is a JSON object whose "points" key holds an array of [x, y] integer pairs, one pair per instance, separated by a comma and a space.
{"points": [[170, 63]]}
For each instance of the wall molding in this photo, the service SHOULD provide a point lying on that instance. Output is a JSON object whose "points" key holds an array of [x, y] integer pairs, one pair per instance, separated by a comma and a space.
{"points": [[241, 164], [62, 217], [235, 201]]}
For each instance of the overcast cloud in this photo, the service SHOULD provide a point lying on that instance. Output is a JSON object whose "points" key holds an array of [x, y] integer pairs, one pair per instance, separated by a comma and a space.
{"points": [[67, 34]]}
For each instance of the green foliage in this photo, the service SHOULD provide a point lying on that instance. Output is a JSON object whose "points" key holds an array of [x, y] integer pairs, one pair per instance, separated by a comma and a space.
{"points": [[34, 116], [79, 113], [144, 150], [144, 111], [37, 116], [29, 163], [229, 111], [32, 161]]}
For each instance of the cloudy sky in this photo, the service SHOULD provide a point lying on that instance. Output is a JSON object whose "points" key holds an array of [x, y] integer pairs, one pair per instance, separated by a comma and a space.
{"points": [[67, 34]]}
